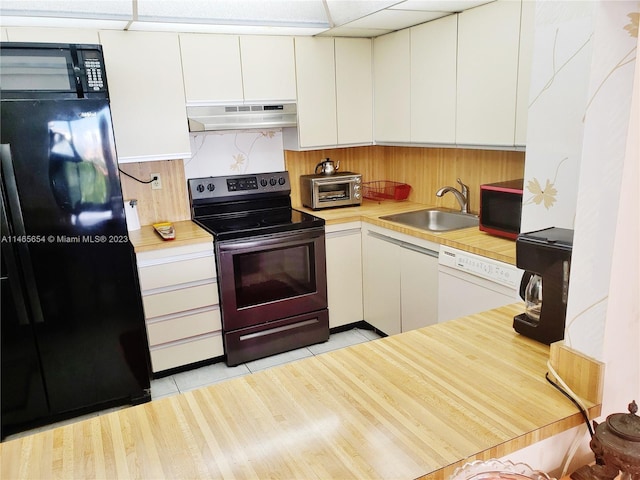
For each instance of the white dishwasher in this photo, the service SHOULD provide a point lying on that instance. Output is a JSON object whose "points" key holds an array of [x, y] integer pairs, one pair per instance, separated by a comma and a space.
{"points": [[469, 283]]}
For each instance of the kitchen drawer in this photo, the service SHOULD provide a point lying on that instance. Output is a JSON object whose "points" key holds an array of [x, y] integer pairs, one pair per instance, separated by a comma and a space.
{"points": [[180, 300], [183, 353], [175, 273], [160, 255], [172, 328]]}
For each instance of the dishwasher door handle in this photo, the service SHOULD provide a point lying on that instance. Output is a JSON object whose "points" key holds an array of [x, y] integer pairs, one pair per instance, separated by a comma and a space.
{"points": [[406, 245]]}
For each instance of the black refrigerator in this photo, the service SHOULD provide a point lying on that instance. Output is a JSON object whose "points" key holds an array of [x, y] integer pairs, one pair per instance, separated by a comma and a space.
{"points": [[73, 337]]}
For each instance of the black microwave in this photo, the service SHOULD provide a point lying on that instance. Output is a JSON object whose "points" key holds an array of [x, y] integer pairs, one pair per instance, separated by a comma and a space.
{"points": [[501, 208], [51, 70]]}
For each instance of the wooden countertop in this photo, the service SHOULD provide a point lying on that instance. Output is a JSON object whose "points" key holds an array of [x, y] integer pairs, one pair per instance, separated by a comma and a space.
{"points": [[413, 405], [187, 233], [468, 239]]}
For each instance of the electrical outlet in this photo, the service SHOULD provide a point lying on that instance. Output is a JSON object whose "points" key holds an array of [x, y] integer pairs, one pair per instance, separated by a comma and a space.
{"points": [[157, 182]]}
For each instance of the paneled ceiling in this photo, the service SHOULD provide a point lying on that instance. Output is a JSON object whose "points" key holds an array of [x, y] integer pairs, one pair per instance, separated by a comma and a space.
{"points": [[347, 18]]}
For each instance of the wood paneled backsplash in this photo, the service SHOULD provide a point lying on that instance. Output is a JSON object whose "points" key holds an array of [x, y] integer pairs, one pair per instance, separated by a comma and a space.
{"points": [[170, 203], [425, 169]]}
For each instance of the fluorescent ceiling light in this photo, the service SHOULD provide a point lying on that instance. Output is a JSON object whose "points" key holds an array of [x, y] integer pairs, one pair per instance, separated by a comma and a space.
{"points": [[278, 13], [224, 29], [94, 9], [60, 22]]}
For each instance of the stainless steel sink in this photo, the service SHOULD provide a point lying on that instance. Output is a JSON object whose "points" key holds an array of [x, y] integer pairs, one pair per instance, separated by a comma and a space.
{"points": [[434, 219]]}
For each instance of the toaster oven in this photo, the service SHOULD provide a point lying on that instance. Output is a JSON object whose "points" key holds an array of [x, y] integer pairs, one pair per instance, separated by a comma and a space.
{"points": [[342, 189]]}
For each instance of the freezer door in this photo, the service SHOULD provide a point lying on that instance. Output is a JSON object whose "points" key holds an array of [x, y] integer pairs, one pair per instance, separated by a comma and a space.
{"points": [[23, 396], [91, 336]]}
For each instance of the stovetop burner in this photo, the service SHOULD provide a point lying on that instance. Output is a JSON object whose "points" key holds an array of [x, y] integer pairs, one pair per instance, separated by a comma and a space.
{"points": [[253, 224], [242, 206]]}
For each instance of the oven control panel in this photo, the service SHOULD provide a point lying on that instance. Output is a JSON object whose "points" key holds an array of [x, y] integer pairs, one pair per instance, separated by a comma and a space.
{"points": [[235, 186]]}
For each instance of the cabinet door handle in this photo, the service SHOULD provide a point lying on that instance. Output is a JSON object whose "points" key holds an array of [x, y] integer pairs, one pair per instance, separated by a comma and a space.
{"points": [[400, 243]]}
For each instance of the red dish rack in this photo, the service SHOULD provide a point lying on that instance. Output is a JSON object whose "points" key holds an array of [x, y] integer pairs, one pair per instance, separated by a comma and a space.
{"points": [[385, 190]]}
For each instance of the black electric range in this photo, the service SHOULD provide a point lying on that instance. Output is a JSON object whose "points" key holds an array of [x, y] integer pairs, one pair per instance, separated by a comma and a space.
{"points": [[270, 264], [241, 206]]}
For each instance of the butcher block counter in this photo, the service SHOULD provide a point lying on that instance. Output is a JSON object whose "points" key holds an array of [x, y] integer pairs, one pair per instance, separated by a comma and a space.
{"points": [[414, 405], [468, 239], [187, 233]]}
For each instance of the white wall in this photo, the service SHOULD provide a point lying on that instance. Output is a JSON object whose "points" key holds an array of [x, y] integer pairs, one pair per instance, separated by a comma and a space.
{"points": [[622, 329], [605, 142], [603, 318]]}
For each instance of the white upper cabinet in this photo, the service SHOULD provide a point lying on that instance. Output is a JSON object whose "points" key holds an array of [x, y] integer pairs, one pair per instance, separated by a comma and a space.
{"points": [[3, 35], [433, 81], [525, 60], [488, 44], [268, 69], [335, 93], [392, 87], [147, 95], [316, 91], [211, 68], [52, 35], [231, 69], [354, 91]]}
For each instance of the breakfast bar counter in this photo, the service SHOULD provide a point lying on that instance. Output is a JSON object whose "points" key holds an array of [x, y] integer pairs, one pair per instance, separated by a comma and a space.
{"points": [[413, 405]]}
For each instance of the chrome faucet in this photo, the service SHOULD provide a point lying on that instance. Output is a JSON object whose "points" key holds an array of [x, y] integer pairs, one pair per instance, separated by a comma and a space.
{"points": [[461, 196]]}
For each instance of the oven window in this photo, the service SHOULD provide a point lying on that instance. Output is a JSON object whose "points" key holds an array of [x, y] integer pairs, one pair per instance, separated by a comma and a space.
{"points": [[272, 275]]}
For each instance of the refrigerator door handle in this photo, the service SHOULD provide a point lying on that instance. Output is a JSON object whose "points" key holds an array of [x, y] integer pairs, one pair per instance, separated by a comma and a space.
{"points": [[24, 257], [13, 272]]}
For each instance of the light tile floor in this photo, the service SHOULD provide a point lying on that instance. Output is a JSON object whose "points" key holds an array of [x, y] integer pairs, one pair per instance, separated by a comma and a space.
{"points": [[219, 372]]}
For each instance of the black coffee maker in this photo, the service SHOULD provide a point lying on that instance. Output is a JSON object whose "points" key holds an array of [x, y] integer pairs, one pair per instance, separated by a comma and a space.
{"points": [[545, 255]]}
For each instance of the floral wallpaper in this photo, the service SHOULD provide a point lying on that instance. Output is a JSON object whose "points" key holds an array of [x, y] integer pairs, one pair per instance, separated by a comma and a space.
{"points": [[234, 152], [557, 101], [559, 105]]}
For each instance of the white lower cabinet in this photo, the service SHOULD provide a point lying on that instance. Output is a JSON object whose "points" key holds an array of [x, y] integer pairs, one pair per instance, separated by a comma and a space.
{"points": [[400, 280], [181, 306], [344, 273], [381, 282]]}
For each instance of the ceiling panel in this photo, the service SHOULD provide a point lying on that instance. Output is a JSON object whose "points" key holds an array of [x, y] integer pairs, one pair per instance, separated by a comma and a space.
{"points": [[439, 5], [357, 18], [344, 11], [395, 19]]}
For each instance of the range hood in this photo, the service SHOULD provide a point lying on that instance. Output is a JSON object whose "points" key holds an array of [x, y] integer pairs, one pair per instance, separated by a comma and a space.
{"points": [[241, 117]]}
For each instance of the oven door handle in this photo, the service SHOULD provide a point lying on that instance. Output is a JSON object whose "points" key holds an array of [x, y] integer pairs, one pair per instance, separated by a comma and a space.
{"points": [[267, 241]]}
